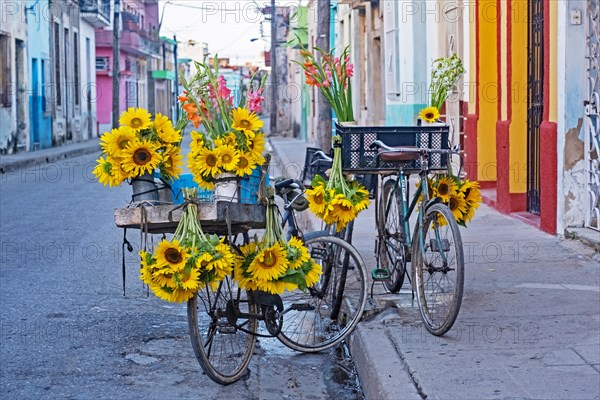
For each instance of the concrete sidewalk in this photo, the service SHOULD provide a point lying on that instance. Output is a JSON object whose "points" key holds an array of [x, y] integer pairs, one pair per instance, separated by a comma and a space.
{"points": [[529, 325], [12, 162]]}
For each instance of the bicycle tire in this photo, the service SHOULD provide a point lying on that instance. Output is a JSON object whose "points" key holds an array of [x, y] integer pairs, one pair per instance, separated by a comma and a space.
{"points": [[328, 312], [222, 349], [439, 296], [391, 246]]}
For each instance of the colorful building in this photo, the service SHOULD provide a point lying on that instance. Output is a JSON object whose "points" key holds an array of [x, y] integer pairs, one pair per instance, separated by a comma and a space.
{"points": [[14, 78], [138, 45], [40, 95]]}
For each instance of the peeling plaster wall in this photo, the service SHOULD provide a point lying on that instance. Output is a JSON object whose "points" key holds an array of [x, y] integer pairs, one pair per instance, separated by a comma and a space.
{"points": [[571, 75], [574, 178]]}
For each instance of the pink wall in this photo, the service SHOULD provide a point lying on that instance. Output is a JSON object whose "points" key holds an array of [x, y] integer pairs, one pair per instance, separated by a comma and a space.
{"points": [[104, 88]]}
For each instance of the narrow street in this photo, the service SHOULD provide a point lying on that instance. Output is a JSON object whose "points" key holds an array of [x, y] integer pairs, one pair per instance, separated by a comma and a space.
{"points": [[67, 331]]}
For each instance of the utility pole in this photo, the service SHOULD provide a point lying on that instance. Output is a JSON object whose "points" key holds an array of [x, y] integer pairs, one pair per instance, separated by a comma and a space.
{"points": [[176, 80], [116, 67], [323, 39], [273, 129]]}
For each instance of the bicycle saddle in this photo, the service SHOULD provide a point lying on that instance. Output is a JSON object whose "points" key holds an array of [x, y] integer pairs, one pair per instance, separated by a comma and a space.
{"points": [[397, 156]]}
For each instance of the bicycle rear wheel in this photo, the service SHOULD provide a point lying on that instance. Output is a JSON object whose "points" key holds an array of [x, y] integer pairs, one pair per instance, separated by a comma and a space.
{"points": [[439, 269], [222, 337], [391, 242], [329, 311]]}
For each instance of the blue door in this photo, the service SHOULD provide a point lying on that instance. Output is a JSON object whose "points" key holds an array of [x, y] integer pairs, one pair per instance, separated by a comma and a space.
{"points": [[35, 105]]}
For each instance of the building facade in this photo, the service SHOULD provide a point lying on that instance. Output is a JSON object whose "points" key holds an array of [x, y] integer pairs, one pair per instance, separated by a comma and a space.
{"points": [[138, 45], [14, 78]]}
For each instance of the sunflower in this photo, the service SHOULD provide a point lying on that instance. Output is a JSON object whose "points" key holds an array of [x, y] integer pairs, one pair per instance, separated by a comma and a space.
{"points": [[113, 143], [136, 118], [140, 157], [246, 121], [297, 253], [171, 162], [271, 263], [171, 254], [187, 279], [245, 164], [203, 262], [313, 276], [147, 267], [429, 114], [103, 171], [470, 213], [164, 129], [316, 200], [172, 295], [244, 280], [207, 162], [446, 187], [457, 205], [228, 157], [257, 148], [471, 192], [117, 173], [343, 209], [197, 143], [276, 287]]}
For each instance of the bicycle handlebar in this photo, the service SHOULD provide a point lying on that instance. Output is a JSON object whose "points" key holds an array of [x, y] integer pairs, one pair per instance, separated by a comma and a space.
{"points": [[400, 149], [322, 155]]}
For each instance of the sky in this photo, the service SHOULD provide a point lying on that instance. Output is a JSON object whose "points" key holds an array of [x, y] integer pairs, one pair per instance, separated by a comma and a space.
{"points": [[226, 25]]}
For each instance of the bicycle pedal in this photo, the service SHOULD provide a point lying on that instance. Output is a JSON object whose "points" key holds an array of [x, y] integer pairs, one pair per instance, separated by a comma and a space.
{"points": [[380, 274], [226, 329], [302, 307]]}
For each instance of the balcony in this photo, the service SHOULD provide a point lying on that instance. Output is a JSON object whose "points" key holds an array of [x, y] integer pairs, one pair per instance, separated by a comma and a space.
{"points": [[96, 12], [138, 43]]}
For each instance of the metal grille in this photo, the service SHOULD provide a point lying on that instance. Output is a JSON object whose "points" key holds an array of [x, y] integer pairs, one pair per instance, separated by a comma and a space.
{"points": [[592, 116], [535, 101]]}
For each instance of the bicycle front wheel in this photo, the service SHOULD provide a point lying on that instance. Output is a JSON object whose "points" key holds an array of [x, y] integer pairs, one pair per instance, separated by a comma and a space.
{"points": [[329, 311], [391, 242], [439, 269], [222, 331]]}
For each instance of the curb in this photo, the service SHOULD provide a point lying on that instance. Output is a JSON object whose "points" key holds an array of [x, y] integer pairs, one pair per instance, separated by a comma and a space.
{"points": [[382, 376], [30, 159]]}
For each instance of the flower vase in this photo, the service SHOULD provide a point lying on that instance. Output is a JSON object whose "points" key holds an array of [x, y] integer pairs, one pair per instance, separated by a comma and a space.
{"points": [[144, 188], [227, 187]]}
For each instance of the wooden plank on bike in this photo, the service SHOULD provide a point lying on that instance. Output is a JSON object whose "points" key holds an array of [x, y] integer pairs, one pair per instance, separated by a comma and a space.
{"points": [[212, 217]]}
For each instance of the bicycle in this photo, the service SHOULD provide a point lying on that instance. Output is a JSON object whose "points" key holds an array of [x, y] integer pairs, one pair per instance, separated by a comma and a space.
{"points": [[223, 321], [435, 250]]}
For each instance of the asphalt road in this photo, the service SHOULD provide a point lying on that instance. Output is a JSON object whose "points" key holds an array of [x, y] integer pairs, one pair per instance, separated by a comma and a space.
{"points": [[67, 331]]}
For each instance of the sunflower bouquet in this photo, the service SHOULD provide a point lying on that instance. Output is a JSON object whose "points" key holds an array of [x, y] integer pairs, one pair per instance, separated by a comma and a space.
{"points": [[445, 72], [337, 201], [188, 262], [463, 197], [274, 264], [230, 140], [331, 75], [140, 145]]}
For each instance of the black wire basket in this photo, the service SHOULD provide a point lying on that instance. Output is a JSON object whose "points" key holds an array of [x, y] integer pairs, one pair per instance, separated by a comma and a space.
{"points": [[358, 157]]}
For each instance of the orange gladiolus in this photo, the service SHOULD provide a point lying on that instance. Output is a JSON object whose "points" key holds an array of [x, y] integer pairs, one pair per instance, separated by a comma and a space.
{"points": [[183, 99], [190, 108], [195, 119]]}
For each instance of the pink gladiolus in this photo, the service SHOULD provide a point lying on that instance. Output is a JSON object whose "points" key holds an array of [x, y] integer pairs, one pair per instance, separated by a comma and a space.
{"points": [[350, 70], [254, 101], [222, 89]]}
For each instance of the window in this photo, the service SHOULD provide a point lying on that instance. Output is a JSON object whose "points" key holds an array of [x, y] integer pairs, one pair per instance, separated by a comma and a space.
{"points": [[56, 86], [102, 63], [76, 77], [5, 72]]}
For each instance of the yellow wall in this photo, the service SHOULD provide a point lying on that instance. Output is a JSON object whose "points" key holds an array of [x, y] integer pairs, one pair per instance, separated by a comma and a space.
{"points": [[553, 114], [503, 61], [487, 81], [518, 126]]}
